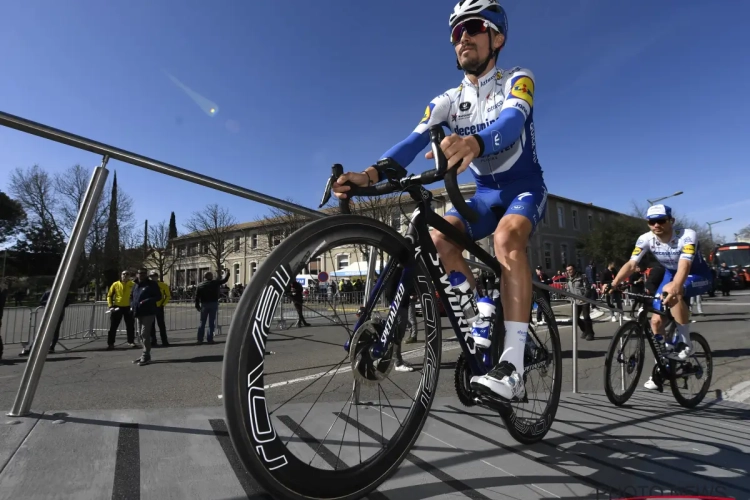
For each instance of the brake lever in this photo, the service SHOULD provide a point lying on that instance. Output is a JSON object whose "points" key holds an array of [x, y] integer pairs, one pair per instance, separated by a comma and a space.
{"points": [[329, 186]]}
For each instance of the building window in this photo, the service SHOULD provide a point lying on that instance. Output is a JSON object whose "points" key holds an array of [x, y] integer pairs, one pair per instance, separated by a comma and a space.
{"points": [[342, 260], [191, 277], [544, 220], [180, 278], [560, 216], [579, 260], [275, 237], [564, 254], [575, 218], [236, 243], [204, 247], [236, 274], [193, 249], [253, 268], [313, 267], [254, 241], [181, 251], [548, 256], [591, 222]]}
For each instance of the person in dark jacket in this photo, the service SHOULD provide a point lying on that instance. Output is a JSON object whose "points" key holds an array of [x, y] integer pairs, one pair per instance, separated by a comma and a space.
{"points": [[297, 295], [637, 285], [725, 275], [143, 301], [207, 303], [579, 284], [542, 278], [43, 302]]}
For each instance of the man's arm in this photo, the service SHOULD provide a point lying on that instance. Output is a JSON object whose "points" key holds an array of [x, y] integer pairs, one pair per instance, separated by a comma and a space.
{"points": [[405, 151], [225, 278], [109, 295], [166, 295], [519, 101], [198, 298]]}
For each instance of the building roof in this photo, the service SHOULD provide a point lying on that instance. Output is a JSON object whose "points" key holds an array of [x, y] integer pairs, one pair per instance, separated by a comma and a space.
{"points": [[440, 193]]}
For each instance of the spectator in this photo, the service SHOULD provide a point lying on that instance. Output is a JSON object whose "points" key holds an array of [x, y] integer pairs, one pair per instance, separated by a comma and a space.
{"points": [[637, 285], [591, 277], [3, 298], [118, 301], [725, 276], [578, 284], [207, 303], [607, 276], [144, 296], [43, 302], [542, 278], [165, 297], [411, 327], [297, 296]]}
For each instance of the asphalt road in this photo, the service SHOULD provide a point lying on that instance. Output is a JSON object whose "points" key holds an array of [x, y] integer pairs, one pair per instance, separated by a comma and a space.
{"points": [[186, 375]]}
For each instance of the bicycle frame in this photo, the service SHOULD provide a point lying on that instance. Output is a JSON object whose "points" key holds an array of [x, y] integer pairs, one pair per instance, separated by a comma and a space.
{"points": [[418, 235]]}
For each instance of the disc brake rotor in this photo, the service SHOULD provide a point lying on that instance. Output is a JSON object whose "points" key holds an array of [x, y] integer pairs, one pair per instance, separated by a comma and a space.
{"points": [[366, 369]]}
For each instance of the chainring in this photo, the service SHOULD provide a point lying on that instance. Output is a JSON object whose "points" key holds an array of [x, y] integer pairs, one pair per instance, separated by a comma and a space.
{"points": [[462, 381], [366, 370]]}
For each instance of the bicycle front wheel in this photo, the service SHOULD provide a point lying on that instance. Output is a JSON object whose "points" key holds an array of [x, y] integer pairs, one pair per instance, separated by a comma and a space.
{"points": [[624, 361], [319, 449]]}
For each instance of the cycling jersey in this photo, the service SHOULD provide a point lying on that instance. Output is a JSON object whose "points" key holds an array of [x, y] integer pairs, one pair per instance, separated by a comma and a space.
{"points": [[500, 111], [682, 246]]}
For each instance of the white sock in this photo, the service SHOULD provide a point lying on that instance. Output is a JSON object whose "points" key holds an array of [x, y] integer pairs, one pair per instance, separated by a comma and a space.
{"points": [[683, 334], [515, 341]]}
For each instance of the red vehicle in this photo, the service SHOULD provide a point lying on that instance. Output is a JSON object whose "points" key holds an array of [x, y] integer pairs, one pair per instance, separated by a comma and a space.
{"points": [[737, 257]]}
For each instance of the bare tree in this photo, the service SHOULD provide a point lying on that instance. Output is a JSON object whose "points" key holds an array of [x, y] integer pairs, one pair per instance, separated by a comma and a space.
{"points": [[215, 225], [161, 254], [744, 232], [34, 189], [278, 224], [131, 248]]}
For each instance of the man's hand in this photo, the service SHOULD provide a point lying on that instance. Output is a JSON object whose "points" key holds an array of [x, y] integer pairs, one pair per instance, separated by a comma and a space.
{"points": [[197, 308], [673, 292], [458, 150], [358, 179]]}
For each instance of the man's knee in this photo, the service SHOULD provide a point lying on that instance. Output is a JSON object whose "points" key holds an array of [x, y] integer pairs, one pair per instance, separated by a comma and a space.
{"points": [[512, 234], [443, 244]]}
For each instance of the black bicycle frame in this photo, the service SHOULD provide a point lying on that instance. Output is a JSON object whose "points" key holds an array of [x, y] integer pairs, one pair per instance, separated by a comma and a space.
{"points": [[418, 235]]}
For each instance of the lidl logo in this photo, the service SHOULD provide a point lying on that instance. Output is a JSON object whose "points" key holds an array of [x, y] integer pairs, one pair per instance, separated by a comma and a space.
{"points": [[524, 89], [688, 249], [636, 251], [427, 113]]}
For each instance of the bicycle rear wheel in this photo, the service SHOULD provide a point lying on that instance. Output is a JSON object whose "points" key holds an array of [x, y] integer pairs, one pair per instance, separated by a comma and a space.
{"points": [[279, 462], [617, 362], [699, 366]]}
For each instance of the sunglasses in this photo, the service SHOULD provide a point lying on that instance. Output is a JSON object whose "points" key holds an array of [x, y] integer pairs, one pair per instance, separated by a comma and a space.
{"points": [[472, 27], [657, 221]]}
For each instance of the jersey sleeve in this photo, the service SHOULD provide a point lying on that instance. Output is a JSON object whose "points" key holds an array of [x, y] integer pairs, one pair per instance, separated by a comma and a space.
{"points": [[641, 247], [688, 244], [436, 113], [507, 129]]}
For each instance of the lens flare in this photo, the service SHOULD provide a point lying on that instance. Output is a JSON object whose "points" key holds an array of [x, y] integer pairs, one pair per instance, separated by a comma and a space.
{"points": [[206, 105]]}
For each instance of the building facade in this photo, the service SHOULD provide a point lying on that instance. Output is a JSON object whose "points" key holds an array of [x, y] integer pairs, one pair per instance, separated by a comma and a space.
{"points": [[552, 246]]}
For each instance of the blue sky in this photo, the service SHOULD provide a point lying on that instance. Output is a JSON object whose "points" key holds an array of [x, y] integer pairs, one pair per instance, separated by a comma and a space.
{"points": [[632, 98]]}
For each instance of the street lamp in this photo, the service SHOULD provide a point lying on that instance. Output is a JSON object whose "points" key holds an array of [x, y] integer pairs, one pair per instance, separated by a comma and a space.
{"points": [[710, 231], [651, 202]]}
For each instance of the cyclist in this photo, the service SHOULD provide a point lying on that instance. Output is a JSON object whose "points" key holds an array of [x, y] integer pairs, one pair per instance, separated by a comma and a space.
{"points": [[686, 273], [491, 116]]}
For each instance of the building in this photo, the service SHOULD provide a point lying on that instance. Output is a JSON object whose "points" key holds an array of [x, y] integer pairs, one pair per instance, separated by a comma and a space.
{"points": [[552, 246]]}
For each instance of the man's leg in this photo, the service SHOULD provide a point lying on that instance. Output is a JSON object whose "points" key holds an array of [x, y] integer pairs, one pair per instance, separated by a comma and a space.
{"points": [[202, 326], [162, 326], [114, 322], [127, 314], [145, 323]]}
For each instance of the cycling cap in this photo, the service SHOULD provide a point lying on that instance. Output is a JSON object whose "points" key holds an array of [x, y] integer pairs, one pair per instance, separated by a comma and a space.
{"points": [[659, 212]]}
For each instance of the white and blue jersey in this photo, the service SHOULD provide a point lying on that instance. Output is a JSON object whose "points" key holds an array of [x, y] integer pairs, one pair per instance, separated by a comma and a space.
{"points": [[682, 246], [499, 112]]}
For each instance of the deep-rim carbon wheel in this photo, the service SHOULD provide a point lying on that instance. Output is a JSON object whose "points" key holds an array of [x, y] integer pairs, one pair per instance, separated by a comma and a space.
{"points": [[619, 362], [252, 430]]}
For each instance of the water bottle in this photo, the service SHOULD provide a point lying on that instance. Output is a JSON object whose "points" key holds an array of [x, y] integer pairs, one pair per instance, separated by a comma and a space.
{"points": [[465, 295], [481, 326]]}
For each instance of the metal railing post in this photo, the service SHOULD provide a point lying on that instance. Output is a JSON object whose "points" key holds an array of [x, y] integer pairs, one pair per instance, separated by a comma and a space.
{"points": [[51, 315], [91, 332], [574, 321]]}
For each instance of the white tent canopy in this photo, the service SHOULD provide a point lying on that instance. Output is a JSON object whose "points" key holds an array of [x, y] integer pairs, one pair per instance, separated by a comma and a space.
{"points": [[355, 269]]}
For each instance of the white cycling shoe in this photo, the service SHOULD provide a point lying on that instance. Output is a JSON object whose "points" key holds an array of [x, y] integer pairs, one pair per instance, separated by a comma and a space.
{"points": [[502, 381]]}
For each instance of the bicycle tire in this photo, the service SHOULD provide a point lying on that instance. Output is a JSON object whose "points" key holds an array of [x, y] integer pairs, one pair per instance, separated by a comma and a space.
{"points": [[520, 430], [613, 349], [695, 401], [253, 436]]}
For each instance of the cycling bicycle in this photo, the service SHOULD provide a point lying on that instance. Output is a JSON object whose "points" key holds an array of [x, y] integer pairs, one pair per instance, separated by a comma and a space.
{"points": [[280, 463], [675, 372]]}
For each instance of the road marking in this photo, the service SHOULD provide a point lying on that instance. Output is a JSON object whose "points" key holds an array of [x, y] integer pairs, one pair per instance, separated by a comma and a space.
{"points": [[346, 369], [739, 392]]}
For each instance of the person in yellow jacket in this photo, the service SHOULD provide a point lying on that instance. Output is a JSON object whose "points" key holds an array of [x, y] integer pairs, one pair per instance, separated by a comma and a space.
{"points": [[165, 297], [118, 300]]}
